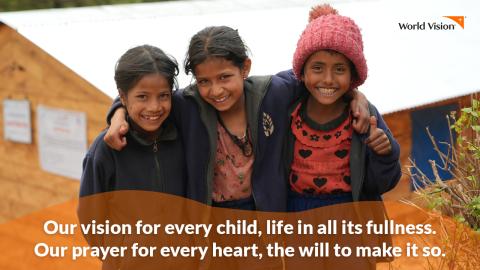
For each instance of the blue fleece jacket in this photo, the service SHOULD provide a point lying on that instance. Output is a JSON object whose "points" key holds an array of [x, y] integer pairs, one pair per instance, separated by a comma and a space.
{"points": [[139, 166], [268, 99]]}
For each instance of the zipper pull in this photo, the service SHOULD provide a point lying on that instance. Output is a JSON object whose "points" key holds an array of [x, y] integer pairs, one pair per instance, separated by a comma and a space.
{"points": [[155, 147]]}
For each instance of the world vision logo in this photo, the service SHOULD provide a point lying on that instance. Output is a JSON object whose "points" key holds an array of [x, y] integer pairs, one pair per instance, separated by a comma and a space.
{"points": [[458, 21]]}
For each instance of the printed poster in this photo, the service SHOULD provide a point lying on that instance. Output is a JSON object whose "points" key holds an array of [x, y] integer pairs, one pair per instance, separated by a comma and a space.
{"points": [[16, 121], [62, 140]]}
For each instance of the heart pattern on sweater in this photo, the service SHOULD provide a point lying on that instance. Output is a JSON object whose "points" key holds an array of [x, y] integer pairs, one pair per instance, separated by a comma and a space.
{"points": [[341, 153], [346, 179], [294, 178], [319, 182], [305, 153]]}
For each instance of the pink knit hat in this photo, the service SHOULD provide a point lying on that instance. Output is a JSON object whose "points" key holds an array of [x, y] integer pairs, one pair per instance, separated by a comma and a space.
{"points": [[327, 30]]}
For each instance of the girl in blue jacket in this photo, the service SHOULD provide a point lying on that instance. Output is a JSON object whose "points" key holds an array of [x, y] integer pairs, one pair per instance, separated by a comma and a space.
{"points": [[153, 160], [232, 126]]}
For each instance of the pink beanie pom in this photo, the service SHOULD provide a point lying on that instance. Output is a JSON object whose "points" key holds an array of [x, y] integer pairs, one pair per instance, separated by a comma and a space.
{"points": [[327, 30], [321, 10]]}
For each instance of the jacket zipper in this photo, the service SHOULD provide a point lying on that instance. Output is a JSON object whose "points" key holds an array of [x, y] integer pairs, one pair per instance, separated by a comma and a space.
{"points": [[157, 166], [209, 190], [255, 151], [155, 147]]}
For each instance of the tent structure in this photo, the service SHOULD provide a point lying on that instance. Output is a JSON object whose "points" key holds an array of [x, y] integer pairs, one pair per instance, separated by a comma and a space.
{"points": [[29, 73], [409, 69]]}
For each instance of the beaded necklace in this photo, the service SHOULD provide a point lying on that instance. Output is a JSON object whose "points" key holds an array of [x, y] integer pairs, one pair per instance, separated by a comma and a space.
{"points": [[243, 142]]}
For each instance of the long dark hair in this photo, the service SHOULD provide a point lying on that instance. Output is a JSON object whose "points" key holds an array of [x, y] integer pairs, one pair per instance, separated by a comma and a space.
{"points": [[144, 60], [215, 41]]}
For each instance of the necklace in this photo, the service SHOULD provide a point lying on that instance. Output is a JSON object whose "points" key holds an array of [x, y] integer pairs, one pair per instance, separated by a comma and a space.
{"points": [[243, 142]]}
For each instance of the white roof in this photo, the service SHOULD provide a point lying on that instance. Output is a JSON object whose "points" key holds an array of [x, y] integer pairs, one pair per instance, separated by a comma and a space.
{"points": [[406, 68]]}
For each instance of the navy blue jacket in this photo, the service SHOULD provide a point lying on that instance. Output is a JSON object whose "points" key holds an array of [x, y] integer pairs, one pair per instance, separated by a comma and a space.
{"points": [[138, 166], [268, 99], [267, 102]]}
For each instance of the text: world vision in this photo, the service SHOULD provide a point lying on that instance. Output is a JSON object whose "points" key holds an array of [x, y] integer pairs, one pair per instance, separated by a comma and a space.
{"points": [[424, 26]]}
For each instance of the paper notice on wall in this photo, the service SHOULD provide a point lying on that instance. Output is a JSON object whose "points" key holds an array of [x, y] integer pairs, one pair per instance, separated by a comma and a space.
{"points": [[62, 140], [16, 121]]}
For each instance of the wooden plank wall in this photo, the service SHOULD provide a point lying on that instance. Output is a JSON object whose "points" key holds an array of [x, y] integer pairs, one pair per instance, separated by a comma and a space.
{"points": [[400, 125], [27, 72]]}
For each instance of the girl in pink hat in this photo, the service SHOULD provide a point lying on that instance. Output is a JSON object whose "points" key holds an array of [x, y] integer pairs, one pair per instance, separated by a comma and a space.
{"points": [[330, 163], [327, 161]]}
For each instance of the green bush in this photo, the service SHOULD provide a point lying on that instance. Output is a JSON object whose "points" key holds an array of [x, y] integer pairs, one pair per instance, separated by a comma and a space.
{"points": [[459, 197]]}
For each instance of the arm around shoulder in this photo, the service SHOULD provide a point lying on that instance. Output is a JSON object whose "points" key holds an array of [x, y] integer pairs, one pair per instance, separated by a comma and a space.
{"points": [[115, 105], [383, 171], [294, 86]]}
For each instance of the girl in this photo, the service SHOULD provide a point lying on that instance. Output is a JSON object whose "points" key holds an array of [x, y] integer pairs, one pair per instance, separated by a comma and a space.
{"points": [[153, 160], [233, 126], [330, 163]]}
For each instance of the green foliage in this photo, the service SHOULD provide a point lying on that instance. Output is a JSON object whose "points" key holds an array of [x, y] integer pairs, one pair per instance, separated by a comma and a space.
{"points": [[468, 126], [459, 197], [16, 5], [474, 207]]}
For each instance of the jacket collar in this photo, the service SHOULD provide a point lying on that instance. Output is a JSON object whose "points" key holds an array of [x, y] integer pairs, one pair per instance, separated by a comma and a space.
{"points": [[167, 132], [255, 88]]}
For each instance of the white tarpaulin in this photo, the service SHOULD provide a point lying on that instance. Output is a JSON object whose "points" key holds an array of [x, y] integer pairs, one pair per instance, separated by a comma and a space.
{"points": [[17, 125], [62, 140], [407, 68]]}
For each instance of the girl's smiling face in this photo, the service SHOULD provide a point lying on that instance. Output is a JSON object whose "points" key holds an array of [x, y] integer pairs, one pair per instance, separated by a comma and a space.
{"points": [[327, 76], [149, 102], [220, 82]]}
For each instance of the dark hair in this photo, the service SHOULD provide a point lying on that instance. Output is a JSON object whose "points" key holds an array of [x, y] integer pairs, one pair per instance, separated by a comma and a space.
{"points": [[144, 60], [215, 41]]}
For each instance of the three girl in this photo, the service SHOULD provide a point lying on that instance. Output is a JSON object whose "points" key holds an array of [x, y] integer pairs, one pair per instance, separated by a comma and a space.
{"points": [[232, 126], [255, 143]]}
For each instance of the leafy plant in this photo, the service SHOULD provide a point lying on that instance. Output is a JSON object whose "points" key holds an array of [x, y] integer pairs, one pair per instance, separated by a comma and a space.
{"points": [[459, 197]]}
